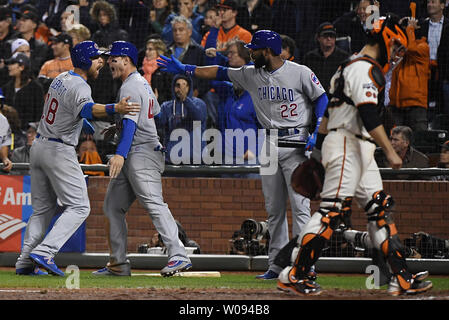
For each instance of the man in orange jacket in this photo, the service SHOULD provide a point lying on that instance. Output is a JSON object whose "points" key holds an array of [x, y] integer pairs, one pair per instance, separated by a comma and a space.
{"points": [[409, 83]]}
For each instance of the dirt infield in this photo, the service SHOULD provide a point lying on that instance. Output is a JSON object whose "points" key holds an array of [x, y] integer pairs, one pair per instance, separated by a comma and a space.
{"points": [[200, 294], [203, 294]]}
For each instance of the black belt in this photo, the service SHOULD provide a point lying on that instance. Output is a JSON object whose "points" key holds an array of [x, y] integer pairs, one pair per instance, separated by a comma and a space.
{"points": [[359, 136], [52, 139]]}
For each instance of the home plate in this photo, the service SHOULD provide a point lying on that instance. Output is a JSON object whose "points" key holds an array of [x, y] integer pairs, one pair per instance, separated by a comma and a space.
{"points": [[188, 274]]}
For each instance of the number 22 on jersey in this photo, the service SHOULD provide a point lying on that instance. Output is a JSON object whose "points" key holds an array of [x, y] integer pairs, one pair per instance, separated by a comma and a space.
{"points": [[289, 111]]}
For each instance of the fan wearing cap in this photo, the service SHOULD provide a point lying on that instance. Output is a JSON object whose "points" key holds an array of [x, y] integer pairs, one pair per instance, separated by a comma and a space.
{"points": [[22, 154], [61, 46], [27, 24], [443, 162], [23, 91], [325, 59], [285, 95], [229, 29]]}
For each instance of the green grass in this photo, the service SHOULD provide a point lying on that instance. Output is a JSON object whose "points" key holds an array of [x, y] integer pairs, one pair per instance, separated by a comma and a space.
{"points": [[8, 279]]}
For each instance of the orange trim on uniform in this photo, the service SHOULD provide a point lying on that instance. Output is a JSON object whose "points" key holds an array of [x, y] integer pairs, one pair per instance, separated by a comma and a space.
{"points": [[384, 247], [342, 169], [393, 230]]}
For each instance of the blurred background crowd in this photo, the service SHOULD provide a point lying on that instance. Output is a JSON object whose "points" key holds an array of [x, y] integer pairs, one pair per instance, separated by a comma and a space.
{"points": [[36, 37]]}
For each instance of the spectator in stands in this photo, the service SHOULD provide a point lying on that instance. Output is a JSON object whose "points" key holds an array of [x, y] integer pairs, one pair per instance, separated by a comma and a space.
{"points": [[325, 59], [6, 37], [133, 18], [229, 29], [408, 91], [236, 111], [22, 46], [18, 135], [284, 23], [443, 67], [434, 29], [88, 154], [5, 142], [184, 9], [159, 80], [159, 12], [105, 16], [202, 6], [27, 25], [61, 46], [401, 139], [186, 50], [79, 33], [180, 113], [23, 92], [288, 49], [22, 154], [258, 16], [211, 20], [53, 10], [353, 24], [443, 163]]}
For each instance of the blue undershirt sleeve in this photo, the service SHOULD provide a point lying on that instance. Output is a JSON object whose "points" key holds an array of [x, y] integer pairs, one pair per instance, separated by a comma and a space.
{"points": [[126, 139], [86, 111]]}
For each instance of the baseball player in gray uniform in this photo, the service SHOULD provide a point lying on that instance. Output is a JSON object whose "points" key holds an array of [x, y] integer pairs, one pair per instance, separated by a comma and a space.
{"points": [[136, 169], [284, 95], [353, 126], [5, 142], [55, 171]]}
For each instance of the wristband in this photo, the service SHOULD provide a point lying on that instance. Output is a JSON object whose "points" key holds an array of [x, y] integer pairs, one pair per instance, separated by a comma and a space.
{"points": [[110, 108], [190, 70]]}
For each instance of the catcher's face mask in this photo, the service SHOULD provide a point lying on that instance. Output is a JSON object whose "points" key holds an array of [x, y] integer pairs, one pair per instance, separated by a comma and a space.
{"points": [[394, 42]]}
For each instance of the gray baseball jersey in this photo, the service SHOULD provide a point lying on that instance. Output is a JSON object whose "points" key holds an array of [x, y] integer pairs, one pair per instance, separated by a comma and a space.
{"points": [[283, 98], [66, 96], [140, 178], [5, 132], [55, 170], [137, 87]]}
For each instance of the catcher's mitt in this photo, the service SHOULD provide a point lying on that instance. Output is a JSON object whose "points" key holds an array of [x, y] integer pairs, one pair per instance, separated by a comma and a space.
{"points": [[307, 179]]}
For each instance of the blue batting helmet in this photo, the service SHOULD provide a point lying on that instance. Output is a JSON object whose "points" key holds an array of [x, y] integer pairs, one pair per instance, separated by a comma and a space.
{"points": [[82, 53], [123, 48], [266, 39]]}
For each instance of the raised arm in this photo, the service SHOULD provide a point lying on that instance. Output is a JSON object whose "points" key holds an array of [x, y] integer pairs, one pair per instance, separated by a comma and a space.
{"points": [[173, 65]]}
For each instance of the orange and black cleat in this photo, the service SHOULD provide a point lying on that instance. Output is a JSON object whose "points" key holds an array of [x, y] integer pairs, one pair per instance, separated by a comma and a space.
{"points": [[304, 287]]}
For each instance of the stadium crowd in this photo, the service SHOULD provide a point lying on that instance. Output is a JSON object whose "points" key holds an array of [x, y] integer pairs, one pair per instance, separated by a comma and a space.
{"points": [[36, 38]]}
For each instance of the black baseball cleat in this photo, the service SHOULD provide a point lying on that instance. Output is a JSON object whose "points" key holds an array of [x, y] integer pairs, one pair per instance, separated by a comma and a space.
{"points": [[304, 287]]}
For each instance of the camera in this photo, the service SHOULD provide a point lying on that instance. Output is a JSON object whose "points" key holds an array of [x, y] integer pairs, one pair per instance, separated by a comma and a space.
{"points": [[252, 239]]}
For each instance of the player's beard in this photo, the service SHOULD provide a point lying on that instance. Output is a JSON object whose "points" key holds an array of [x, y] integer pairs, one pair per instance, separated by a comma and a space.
{"points": [[260, 62]]}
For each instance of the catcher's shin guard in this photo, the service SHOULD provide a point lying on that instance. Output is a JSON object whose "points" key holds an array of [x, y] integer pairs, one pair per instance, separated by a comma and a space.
{"points": [[384, 236], [318, 230]]}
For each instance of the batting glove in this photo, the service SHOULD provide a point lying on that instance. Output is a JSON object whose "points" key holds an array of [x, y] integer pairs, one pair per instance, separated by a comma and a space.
{"points": [[311, 141], [173, 65]]}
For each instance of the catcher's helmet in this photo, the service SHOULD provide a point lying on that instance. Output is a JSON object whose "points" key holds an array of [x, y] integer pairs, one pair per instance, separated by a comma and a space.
{"points": [[387, 32], [82, 54], [266, 39], [123, 48]]}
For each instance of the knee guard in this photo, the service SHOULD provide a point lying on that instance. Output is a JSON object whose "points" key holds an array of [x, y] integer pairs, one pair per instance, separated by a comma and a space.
{"points": [[384, 236], [311, 244]]}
